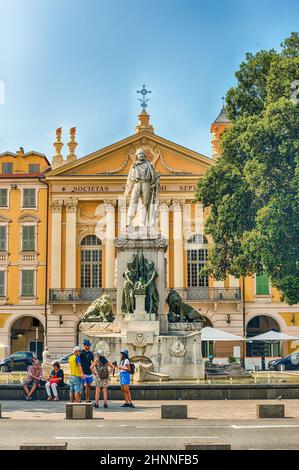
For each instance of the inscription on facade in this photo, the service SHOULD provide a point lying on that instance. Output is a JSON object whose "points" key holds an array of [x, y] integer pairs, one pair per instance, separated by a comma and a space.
{"points": [[120, 188]]}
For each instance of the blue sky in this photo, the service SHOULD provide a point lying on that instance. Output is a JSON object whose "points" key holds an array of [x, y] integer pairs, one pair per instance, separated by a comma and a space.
{"points": [[79, 63]]}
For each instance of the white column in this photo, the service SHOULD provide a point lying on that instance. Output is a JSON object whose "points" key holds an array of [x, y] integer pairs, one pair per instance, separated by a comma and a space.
{"points": [[70, 245], [122, 215], [234, 281], [55, 255], [164, 228], [178, 245], [110, 249]]}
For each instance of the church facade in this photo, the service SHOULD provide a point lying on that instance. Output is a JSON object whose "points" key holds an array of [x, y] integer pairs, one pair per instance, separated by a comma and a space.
{"points": [[81, 213]]}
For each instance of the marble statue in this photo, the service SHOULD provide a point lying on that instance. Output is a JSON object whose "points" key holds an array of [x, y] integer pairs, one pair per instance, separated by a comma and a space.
{"points": [[140, 279], [179, 311], [143, 186], [99, 310]]}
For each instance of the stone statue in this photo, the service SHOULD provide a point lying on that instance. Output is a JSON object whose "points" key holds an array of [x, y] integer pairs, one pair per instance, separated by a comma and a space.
{"points": [[140, 279], [99, 310], [179, 311], [128, 299], [143, 185], [152, 299]]}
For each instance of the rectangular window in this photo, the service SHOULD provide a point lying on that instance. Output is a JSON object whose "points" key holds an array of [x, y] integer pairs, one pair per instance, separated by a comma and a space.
{"points": [[34, 168], [3, 197], [262, 286], [2, 283], [29, 197], [27, 283], [7, 168], [28, 238], [3, 238]]}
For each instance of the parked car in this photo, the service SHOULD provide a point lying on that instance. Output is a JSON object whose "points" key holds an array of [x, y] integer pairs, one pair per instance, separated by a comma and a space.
{"points": [[290, 362], [17, 361]]}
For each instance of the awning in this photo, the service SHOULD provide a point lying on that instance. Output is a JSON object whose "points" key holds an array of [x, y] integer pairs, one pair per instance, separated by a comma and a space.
{"points": [[213, 334], [272, 336]]}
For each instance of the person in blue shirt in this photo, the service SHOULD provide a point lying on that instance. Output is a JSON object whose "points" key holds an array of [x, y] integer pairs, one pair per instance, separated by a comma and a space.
{"points": [[87, 358]]}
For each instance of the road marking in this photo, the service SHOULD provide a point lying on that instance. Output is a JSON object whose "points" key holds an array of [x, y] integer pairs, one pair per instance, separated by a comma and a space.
{"points": [[264, 426], [137, 437]]}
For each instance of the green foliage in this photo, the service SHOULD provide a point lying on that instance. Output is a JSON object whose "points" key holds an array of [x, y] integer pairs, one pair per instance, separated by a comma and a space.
{"points": [[253, 188]]}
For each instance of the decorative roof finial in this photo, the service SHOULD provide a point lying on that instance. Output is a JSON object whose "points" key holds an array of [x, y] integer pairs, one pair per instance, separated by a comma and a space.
{"points": [[72, 144], [143, 100], [223, 102], [58, 158]]}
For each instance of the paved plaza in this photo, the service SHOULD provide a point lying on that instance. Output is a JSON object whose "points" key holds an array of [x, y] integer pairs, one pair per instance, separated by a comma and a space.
{"points": [[232, 422]]}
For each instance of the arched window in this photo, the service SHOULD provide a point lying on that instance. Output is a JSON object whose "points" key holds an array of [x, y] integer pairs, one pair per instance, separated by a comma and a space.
{"points": [[91, 262], [197, 254]]}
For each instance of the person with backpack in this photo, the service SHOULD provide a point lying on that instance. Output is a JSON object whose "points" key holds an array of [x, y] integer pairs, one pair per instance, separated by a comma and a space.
{"points": [[126, 368], [100, 368]]}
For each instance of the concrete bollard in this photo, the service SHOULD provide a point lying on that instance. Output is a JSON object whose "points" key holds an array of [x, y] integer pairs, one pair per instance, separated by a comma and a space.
{"points": [[79, 411], [44, 446], [270, 411], [207, 446], [174, 412]]}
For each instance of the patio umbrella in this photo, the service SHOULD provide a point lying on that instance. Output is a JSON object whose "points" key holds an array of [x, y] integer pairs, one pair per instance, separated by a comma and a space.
{"points": [[213, 334], [272, 336]]}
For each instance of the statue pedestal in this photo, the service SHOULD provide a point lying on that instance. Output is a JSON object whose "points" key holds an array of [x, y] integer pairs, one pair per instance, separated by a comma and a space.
{"points": [[153, 249]]}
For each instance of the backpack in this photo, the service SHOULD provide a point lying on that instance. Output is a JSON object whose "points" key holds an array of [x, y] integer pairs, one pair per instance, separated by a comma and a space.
{"points": [[103, 371], [132, 368]]}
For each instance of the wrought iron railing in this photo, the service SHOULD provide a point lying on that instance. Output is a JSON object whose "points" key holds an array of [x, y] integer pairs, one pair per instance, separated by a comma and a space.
{"points": [[213, 294], [79, 295]]}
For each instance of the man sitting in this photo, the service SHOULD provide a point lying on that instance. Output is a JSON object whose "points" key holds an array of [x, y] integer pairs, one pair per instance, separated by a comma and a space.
{"points": [[33, 380]]}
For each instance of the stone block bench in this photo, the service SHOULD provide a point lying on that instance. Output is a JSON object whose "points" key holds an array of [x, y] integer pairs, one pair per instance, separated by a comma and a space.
{"points": [[270, 411], [174, 412], [44, 446], [207, 446], [78, 411]]}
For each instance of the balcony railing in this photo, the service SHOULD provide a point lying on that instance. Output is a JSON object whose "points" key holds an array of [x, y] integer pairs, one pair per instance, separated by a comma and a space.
{"points": [[213, 294], [79, 295]]}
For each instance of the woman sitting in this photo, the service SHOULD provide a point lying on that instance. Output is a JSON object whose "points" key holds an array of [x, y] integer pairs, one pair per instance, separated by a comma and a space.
{"points": [[100, 368], [55, 380]]}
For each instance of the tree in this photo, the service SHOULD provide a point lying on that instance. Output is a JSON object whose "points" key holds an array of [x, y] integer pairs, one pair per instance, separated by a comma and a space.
{"points": [[253, 188]]}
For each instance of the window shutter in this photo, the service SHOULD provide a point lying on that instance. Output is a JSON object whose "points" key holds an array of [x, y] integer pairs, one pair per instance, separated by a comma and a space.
{"points": [[27, 283], [2, 283], [3, 197], [28, 238], [29, 197], [2, 238], [262, 284]]}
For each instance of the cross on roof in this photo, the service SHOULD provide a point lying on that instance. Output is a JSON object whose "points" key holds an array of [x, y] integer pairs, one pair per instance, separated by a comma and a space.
{"points": [[143, 100]]}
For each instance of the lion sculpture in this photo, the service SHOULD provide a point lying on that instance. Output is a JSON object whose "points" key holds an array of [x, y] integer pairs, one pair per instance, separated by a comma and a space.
{"points": [[179, 311], [100, 310]]}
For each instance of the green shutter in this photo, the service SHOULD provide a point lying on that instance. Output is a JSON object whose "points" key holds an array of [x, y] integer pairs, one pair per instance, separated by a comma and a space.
{"points": [[262, 284], [2, 283], [28, 283], [3, 197], [2, 238], [29, 197], [28, 238]]}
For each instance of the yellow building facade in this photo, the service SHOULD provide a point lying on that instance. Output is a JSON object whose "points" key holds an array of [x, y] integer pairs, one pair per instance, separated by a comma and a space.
{"points": [[80, 209], [23, 251]]}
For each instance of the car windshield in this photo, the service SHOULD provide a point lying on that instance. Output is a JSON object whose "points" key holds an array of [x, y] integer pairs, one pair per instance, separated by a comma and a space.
{"points": [[18, 355]]}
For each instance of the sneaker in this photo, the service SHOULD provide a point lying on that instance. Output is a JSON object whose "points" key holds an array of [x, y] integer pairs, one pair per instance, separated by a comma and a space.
{"points": [[105, 405], [96, 405], [131, 405], [28, 398], [125, 405], [55, 399]]}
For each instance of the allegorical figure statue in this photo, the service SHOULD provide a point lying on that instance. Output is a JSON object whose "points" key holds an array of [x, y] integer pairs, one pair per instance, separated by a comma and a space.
{"points": [[152, 294], [143, 185], [128, 299], [140, 279]]}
